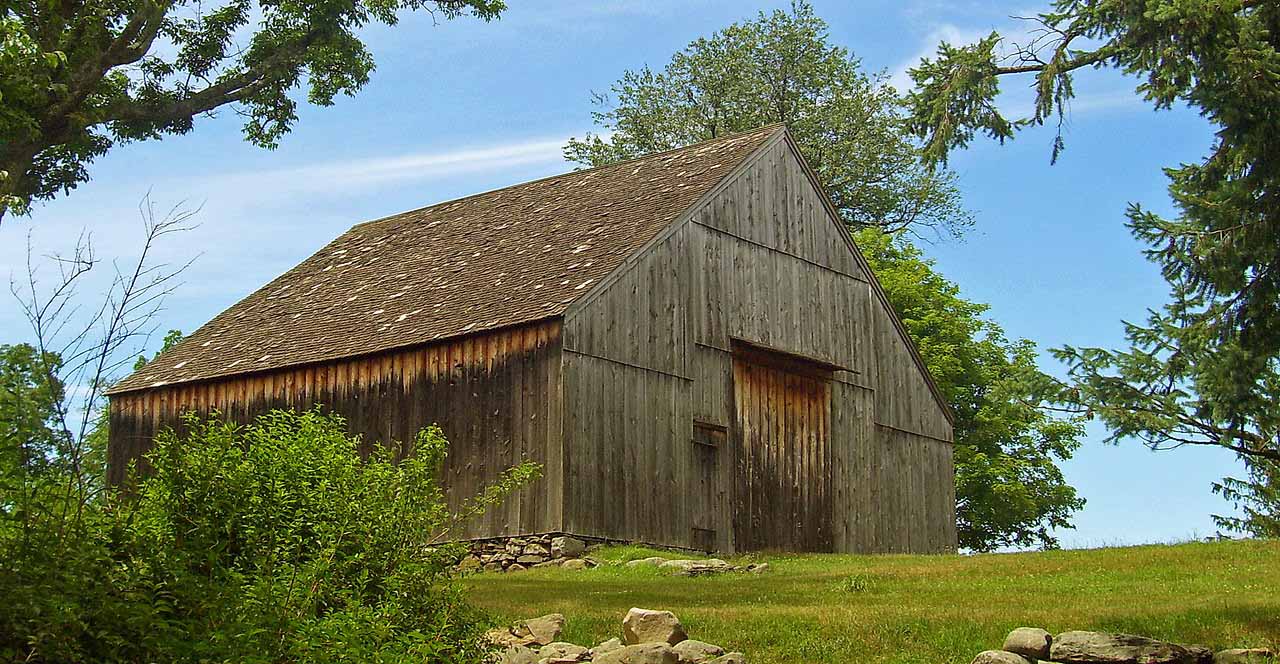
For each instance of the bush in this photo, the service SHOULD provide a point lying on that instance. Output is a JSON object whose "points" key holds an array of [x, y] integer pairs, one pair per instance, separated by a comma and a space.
{"points": [[267, 543]]}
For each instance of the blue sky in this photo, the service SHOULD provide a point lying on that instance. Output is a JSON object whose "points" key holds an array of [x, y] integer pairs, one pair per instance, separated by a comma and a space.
{"points": [[463, 107]]}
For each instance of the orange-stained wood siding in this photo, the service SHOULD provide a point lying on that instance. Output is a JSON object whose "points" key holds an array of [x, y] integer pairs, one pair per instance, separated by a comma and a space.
{"points": [[496, 396]]}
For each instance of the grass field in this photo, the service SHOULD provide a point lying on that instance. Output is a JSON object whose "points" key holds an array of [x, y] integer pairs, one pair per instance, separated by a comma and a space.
{"points": [[838, 608]]}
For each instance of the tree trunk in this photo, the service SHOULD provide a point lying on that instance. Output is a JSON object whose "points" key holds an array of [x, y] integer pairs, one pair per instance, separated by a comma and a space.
{"points": [[15, 163]]}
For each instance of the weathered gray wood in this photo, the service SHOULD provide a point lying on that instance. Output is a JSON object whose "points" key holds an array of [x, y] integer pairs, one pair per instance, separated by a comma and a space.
{"points": [[761, 262]]}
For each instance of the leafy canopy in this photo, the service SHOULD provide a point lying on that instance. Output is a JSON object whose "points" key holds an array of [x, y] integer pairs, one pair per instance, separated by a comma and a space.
{"points": [[78, 77], [780, 67], [1205, 368], [30, 434], [1009, 489]]}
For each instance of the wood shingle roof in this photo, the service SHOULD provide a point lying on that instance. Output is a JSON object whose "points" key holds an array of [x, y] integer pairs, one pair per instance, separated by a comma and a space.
{"points": [[491, 260]]}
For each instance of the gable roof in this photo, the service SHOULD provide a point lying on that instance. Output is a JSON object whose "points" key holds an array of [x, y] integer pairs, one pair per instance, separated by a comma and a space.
{"points": [[487, 261]]}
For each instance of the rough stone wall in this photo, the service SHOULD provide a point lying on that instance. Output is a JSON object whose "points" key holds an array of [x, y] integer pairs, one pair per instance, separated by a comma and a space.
{"points": [[513, 554]]}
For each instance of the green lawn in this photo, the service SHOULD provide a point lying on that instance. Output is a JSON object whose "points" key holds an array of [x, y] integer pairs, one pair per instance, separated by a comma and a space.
{"points": [[838, 608]]}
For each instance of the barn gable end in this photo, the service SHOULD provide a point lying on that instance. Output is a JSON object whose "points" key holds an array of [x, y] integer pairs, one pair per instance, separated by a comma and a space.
{"points": [[759, 262]]}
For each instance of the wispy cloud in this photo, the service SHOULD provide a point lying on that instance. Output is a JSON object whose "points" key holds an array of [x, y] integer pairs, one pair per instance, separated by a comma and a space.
{"points": [[944, 32], [346, 176], [255, 223]]}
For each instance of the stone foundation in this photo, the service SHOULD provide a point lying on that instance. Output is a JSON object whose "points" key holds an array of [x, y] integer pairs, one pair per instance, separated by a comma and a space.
{"points": [[513, 554]]}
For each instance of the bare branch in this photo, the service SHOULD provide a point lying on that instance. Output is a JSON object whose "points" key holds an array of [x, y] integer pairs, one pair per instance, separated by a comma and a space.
{"points": [[82, 348]]}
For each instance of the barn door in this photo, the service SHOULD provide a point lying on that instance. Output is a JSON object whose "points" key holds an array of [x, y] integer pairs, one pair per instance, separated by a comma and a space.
{"points": [[782, 478], [706, 512]]}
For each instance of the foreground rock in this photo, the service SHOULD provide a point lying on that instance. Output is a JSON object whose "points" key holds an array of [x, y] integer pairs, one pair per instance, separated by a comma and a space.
{"points": [[653, 561], [690, 651], [1000, 657], [1030, 642], [606, 647], [1103, 648], [649, 637], [648, 626], [518, 654], [1028, 645], [640, 653], [710, 565], [561, 650], [538, 631], [1244, 656]]}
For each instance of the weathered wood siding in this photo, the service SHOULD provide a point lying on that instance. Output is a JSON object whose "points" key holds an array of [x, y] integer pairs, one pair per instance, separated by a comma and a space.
{"points": [[760, 261], [496, 396]]}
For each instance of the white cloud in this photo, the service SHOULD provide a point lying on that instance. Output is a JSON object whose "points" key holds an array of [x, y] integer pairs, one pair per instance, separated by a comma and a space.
{"points": [[346, 176], [944, 32]]}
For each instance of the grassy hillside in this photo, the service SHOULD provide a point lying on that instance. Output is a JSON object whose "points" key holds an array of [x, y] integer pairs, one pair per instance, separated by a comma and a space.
{"points": [[835, 608]]}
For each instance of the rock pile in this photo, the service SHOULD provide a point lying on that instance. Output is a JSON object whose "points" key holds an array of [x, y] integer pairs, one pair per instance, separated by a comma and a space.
{"points": [[697, 567], [648, 637], [516, 554], [1027, 645]]}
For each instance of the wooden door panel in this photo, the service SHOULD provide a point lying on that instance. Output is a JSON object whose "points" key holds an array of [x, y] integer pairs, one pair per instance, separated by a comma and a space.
{"points": [[782, 478]]}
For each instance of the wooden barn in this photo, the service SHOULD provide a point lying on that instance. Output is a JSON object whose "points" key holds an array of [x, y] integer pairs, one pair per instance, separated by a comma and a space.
{"points": [[689, 343]]}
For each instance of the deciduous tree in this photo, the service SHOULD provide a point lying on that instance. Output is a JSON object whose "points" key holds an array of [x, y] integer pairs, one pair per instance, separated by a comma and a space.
{"points": [[781, 67], [77, 78], [1009, 488]]}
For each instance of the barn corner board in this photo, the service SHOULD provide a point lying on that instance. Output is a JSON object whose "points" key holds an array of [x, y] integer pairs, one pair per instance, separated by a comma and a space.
{"points": [[688, 343]]}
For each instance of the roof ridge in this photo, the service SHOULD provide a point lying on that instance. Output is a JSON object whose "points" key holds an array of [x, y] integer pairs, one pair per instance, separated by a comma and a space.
{"points": [[773, 126]]}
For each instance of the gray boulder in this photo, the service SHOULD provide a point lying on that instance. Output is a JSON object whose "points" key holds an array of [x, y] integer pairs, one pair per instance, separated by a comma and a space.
{"points": [[575, 563], [568, 547], [1200, 654], [1243, 656], [606, 647], [1030, 642], [697, 567], [690, 651], [518, 654], [642, 653], [648, 626], [562, 650], [1104, 648], [653, 561], [730, 658], [682, 565], [1000, 657]]}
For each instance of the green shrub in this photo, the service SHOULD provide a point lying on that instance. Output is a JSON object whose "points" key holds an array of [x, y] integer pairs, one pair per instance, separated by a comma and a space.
{"points": [[268, 543]]}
